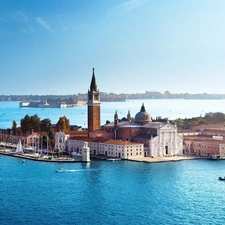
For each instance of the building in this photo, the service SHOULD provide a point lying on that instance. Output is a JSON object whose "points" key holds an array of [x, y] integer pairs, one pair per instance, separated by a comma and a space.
{"points": [[208, 143], [93, 106], [60, 141], [159, 139], [138, 137], [107, 148]]}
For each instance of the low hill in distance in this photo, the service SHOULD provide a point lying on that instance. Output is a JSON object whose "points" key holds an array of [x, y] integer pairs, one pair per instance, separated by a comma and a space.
{"points": [[111, 97]]}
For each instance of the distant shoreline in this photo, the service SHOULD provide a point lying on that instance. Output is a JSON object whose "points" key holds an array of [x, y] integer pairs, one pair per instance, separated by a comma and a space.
{"points": [[112, 97]]}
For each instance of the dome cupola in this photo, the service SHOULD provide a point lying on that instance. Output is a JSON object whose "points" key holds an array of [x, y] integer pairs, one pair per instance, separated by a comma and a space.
{"points": [[142, 117]]}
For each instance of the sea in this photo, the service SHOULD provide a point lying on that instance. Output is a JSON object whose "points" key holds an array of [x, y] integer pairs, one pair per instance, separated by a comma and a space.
{"points": [[112, 192], [166, 108]]}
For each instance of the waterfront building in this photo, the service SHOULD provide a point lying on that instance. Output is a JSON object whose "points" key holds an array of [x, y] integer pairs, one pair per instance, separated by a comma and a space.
{"points": [[208, 143], [32, 140], [138, 137], [107, 147], [60, 141], [121, 149], [204, 146], [159, 139]]}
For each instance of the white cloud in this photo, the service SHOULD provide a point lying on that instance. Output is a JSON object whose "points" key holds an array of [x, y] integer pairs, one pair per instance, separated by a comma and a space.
{"points": [[130, 5], [20, 15], [43, 23], [125, 7]]}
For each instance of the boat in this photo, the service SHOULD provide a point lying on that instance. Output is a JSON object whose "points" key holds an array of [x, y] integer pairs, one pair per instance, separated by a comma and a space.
{"points": [[221, 178], [65, 170], [60, 170], [19, 148], [23, 161]]}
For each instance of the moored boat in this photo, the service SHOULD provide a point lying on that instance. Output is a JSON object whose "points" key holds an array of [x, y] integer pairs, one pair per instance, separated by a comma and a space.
{"points": [[221, 178]]}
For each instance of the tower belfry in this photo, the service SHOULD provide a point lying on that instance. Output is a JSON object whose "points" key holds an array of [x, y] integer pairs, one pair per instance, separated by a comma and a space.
{"points": [[116, 119], [93, 106]]}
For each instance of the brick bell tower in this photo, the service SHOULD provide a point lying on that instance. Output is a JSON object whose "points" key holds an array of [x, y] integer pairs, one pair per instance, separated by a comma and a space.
{"points": [[93, 106]]}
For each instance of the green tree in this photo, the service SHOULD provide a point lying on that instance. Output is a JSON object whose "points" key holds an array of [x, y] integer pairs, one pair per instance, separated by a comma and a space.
{"points": [[29, 123], [51, 139], [63, 124], [45, 125], [35, 123], [14, 126], [25, 123]]}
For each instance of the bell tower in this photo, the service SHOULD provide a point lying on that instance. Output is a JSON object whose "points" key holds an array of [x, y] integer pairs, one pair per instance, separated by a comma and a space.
{"points": [[93, 106], [116, 120]]}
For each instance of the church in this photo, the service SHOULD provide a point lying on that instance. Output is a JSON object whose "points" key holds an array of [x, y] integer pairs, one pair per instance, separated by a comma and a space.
{"points": [[135, 137]]}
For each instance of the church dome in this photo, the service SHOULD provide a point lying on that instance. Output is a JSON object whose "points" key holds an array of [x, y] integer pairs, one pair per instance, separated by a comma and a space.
{"points": [[142, 117]]}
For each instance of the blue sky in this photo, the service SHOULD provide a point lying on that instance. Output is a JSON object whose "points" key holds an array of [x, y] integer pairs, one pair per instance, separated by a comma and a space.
{"points": [[51, 46]]}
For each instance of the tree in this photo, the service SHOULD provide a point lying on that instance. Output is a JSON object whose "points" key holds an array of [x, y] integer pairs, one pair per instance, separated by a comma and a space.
{"points": [[29, 123], [45, 125], [51, 137], [25, 123], [35, 123], [14, 125], [63, 124]]}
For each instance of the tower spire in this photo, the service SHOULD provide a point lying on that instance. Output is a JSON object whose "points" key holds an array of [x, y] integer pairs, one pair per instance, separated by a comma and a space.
{"points": [[116, 119], [93, 86], [128, 116]]}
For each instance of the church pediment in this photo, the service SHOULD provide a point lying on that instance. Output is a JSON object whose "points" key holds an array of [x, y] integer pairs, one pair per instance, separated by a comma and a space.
{"points": [[168, 126]]}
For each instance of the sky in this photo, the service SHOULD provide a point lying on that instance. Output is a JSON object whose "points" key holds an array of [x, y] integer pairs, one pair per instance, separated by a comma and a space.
{"points": [[50, 46]]}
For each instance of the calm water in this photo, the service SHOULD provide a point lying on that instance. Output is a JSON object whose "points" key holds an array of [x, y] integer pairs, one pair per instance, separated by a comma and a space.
{"points": [[121, 192], [172, 109]]}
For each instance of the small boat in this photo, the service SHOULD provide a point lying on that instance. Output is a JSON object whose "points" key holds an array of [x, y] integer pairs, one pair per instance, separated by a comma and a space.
{"points": [[221, 178], [60, 170], [19, 147], [23, 161]]}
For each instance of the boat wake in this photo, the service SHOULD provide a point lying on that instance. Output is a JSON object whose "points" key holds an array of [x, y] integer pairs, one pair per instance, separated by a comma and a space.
{"points": [[69, 171]]}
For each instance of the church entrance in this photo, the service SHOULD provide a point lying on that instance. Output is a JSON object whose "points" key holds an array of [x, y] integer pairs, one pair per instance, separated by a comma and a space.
{"points": [[166, 149]]}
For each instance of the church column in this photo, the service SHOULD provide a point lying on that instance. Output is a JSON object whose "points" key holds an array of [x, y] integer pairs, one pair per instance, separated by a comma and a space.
{"points": [[171, 143], [151, 150], [160, 144], [175, 143]]}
